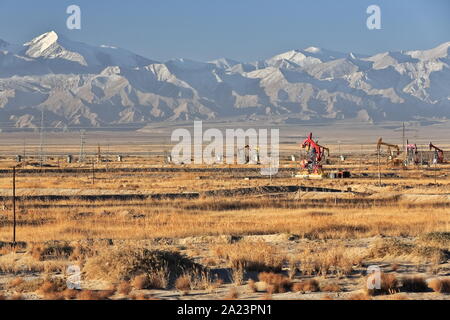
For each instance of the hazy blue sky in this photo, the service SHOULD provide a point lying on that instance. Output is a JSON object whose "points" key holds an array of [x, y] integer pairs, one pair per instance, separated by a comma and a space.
{"points": [[239, 29]]}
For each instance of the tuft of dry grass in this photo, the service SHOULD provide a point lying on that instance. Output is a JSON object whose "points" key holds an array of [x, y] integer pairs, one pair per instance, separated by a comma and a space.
{"points": [[310, 285], [124, 288], [15, 282], [140, 282], [397, 248], [88, 295], [161, 267], [276, 283], [440, 285], [233, 294], [251, 256], [183, 284], [105, 294], [252, 286], [237, 275], [51, 289], [436, 239], [335, 259], [414, 284], [389, 284], [51, 250], [331, 287]]}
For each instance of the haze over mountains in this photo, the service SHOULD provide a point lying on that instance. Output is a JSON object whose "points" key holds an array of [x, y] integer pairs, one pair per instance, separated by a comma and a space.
{"points": [[79, 85]]}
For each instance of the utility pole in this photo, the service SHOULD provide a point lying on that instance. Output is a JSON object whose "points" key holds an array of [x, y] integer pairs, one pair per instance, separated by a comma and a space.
{"points": [[24, 148], [14, 205], [81, 156], [99, 155], [93, 172]]}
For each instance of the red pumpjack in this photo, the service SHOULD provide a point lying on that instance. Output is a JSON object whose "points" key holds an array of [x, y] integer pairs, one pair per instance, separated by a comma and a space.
{"points": [[316, 153]]}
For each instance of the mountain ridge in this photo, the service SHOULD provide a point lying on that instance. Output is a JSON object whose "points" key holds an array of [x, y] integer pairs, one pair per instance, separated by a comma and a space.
{"points": [[80, 85]]}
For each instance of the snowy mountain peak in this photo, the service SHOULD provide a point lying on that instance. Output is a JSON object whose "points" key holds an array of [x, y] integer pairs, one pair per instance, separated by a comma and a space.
{"points": [[41, 43], [100, 86], [441, 51]]}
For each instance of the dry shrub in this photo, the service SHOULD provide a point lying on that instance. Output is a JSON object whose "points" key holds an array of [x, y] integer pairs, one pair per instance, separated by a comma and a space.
{"points": [[276, 283], [390, 247], [140, 282], [52, 286], [331, 287], [310, 285], [158, 278], [140, 296], [389, 284], [88, 295], [237, 275], [327, 297], [51, 250], [414, 284], [16, 264], [204, 280], [251, 256], [55, 266], [183, 284], [436, 239], [15, 282], [105, 294], [29, 285], [440, 285], [431, 254], [82, 252], [233, 294], [161, 267], [47, 287], [336, 259], [397, 248], [124, 288], [252, 286], [293, 268]]}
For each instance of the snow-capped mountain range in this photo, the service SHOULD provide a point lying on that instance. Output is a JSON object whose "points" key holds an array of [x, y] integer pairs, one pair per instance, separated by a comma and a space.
{"points": [[78, 85]]}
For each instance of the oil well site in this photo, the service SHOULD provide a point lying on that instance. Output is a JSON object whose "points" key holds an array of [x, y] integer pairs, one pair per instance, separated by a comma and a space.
{"points": [[115, 216]]}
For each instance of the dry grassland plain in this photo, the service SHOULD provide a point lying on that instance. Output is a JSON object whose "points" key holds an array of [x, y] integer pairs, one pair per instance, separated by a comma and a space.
{"points": [[146, 229]]}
